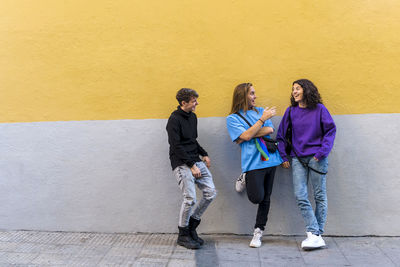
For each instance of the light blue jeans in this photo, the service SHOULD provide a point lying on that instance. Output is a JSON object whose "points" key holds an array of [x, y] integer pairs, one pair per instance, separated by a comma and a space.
{"points": [[186, 182], [315, 221]]}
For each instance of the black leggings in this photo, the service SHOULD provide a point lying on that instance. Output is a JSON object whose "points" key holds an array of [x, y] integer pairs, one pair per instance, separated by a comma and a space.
{"points": [[259, 188]]}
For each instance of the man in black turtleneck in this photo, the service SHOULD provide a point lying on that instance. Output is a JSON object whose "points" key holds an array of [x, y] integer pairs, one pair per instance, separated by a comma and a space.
{"points": [[188, 168]]}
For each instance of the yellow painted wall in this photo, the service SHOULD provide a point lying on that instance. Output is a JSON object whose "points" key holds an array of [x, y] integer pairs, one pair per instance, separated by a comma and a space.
{"points": [[114, 59]]}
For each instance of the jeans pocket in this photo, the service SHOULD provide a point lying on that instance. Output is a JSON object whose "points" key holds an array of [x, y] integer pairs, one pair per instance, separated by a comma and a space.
{"points": [[320, 165]]}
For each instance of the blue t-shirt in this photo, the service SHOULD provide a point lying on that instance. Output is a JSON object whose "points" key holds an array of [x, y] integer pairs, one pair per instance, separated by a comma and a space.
{"points": [[251, 157]]}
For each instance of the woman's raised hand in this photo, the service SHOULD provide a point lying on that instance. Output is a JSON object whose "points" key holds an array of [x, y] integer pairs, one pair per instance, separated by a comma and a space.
{"points": [[268, 113]]}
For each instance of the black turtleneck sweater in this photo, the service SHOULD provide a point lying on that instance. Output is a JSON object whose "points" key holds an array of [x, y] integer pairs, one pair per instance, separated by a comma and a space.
{"points": [[182, 134]]}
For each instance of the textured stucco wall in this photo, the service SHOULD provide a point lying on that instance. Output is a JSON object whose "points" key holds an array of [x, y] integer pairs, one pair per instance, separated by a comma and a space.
{"points": [[125, 59], [109, 176]]}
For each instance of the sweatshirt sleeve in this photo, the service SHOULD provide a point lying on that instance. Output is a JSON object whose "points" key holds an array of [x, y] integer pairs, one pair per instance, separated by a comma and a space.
{"points": [[329, 130], [174, 141], [281, 135]]}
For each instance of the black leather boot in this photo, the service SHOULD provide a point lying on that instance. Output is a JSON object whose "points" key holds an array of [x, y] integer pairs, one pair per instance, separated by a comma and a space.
{"points": [[193, 223], [185, 239]]}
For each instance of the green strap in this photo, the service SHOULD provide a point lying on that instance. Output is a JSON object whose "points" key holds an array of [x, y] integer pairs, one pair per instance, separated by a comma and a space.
{"points": [[260, 149]]}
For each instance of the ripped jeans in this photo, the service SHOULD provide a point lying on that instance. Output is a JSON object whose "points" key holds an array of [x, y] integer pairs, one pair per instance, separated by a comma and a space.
{"points": [[186, 182]]}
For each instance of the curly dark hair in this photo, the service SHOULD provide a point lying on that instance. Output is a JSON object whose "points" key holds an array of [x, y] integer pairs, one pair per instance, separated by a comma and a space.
{"points": [[186, 94], [311, 96]]}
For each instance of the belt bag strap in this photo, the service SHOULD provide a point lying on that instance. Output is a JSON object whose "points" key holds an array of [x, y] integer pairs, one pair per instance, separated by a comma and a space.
{"points": [[305, 165], [241, 116]]}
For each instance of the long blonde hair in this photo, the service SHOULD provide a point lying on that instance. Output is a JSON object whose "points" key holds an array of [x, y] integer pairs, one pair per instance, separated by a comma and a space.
{"points": [[240, 100]]}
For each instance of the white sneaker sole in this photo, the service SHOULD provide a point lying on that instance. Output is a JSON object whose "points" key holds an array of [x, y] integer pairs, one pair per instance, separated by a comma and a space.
{"points": [[312, 248]]}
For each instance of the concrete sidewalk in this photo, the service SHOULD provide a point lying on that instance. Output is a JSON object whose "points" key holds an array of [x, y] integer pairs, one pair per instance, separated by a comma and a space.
{"points": [[33, 248]]}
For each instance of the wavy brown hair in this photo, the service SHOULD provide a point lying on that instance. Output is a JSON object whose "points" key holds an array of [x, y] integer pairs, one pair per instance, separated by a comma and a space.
{"points": [[311, 96], [239, 99]]}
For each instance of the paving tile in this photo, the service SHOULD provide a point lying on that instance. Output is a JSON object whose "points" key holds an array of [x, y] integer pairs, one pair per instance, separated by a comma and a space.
{"points": [[45, 249], [280, 251], [274, 244], [236, 248], [64, 249], [99, 239], [162, 239], [88, 255], [182, 263], [131, 240], [357, 246], [6, 236], [124, 264], [120, 251], [153, 261], [182, 253], [369, 261], [225, 263], [36, 237], [36, 248], [45, 237], [322, 257], [363, 252], [114, 261], [73, 238], [85, 261], [207, 255], [283, 258], [159, 246], [23, 236], [42, 248], [240, 254], [65, 238], [52, 259], [390, 246], [148, 264], [283, 264], [330, 255], [92, 251], [232, 241], [153, 252], [120, 256], [17, 258], [9, 246]]}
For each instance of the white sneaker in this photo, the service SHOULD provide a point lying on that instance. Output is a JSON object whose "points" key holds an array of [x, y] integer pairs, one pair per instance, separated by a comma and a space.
{"points": [[240, 184], [256, 241], [312, 242]]}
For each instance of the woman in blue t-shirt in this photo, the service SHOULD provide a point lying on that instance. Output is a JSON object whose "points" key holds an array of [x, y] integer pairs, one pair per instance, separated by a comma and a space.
{"points": [[259, 170]]}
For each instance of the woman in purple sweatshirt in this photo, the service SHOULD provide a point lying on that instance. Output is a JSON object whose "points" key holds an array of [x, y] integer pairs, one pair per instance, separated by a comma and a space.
{"points": [[312, 135]]}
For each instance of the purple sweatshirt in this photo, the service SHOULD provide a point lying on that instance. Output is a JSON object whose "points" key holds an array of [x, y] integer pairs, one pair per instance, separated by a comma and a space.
{"points": [[313, 132]]}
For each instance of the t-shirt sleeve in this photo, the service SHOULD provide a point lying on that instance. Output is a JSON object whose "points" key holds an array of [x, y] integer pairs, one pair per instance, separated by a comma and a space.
{"points": [[268, 123], [235, 127]]}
